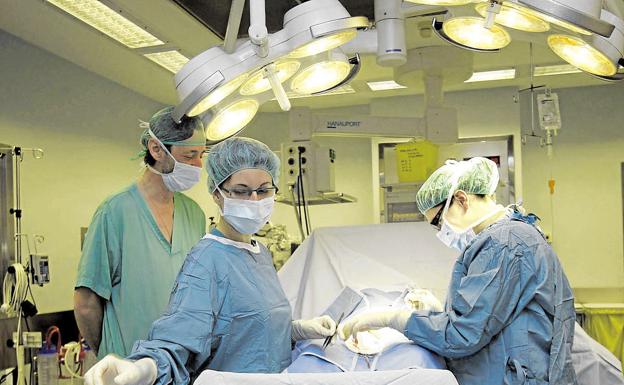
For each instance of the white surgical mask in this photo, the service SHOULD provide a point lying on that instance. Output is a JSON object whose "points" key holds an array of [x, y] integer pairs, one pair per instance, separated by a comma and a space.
{"points": [[182, 177], [246, 216], [460, 239]]}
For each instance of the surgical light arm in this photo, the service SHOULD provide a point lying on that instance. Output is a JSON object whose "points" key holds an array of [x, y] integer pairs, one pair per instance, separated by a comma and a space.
{"points": [[258, 33]]}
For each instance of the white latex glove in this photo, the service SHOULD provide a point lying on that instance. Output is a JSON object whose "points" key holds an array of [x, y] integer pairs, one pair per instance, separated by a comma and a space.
{"points": [[319, 327], [396, 319], [112, 370]]}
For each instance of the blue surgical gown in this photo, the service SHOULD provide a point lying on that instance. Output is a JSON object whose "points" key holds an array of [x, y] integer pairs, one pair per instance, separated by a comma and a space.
{"points": [[127, 261], [509, 316], [227, 312]]}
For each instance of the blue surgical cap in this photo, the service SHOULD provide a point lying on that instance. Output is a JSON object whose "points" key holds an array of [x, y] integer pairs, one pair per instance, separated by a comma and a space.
{"points": [[235, 154], [474, 176], [189, 132]]}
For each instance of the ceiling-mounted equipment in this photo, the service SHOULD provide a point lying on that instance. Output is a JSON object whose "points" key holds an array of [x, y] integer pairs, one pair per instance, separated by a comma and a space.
{"points": [[227, 88], [595, 54], [390, 26], [588, 34], [472, 32], [578, 16], [513, 17]]}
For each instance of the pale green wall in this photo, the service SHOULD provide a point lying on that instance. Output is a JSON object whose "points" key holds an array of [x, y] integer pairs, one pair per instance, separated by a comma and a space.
{"points": [[586, 218]]}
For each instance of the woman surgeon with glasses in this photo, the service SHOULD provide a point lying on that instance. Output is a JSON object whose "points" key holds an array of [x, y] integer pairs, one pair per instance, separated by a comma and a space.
{"points": [[227, 310]]}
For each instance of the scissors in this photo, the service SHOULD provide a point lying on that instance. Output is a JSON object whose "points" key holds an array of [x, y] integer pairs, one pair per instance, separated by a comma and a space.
{"points": [[329, 338]]}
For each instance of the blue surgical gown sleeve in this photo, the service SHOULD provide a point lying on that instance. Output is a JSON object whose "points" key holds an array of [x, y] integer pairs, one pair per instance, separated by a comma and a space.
{"points": [[486, 291], [183, 336]]}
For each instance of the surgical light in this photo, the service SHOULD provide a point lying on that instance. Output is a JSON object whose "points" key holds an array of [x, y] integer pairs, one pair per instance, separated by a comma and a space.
{"points": [[259, 82], [548, 19], [581, 54], [321, 76], [217, 95], [564, 25], [231, 119], [323, 44], [515, 18], [470, 32], [256, 69], [109, 22], [578, 16]]}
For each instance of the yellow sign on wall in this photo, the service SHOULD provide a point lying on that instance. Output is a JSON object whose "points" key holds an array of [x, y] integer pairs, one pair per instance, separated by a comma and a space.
{"points": [[416, 160]]}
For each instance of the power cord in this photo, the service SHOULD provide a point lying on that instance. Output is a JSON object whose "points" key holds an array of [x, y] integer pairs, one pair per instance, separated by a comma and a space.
{"points": [[14, 289]]}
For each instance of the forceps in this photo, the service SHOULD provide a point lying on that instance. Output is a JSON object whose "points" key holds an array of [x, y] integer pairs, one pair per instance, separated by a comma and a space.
{"points": [[329, 338]]}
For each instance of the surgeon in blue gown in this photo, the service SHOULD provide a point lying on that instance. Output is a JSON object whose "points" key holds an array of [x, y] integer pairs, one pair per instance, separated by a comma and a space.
{"points": [[509, 314], [227, 310]]}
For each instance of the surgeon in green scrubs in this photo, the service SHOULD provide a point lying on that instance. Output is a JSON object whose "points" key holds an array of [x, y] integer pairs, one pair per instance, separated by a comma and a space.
{"points": [[138, 239]]}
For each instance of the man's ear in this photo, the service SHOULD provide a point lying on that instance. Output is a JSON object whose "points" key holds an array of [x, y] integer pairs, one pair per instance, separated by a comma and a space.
{"points": [[461, 197], [155, 150]]}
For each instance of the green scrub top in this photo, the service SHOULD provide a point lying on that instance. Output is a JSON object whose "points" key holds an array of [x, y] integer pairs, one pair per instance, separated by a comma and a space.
{"points": [[127, 261]]}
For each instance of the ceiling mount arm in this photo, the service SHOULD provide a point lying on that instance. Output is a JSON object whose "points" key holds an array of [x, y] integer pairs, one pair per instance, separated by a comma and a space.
{"points": [[258, 33], [231, 33]]}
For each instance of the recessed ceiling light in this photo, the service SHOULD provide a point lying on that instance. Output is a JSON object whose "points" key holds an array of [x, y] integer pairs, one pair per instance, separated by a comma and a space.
{"points": [[559, 69], [384, 85], [486, 76], [171, 60], [109, 22]]}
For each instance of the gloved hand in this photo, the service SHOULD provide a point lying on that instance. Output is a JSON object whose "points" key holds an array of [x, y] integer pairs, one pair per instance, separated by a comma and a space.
{"points": [[112, 370], [396, 319], [319, 327]]}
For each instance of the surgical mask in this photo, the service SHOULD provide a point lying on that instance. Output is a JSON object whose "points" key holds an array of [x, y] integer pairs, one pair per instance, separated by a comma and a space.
{"points": [[246, 216], [182, 177], [458, 239]]}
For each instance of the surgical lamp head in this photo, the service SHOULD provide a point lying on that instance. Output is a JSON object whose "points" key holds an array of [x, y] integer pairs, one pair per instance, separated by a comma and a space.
{"points": [[581, 32], [514, 17], [595, 54], [328, 71], [215, 83]]}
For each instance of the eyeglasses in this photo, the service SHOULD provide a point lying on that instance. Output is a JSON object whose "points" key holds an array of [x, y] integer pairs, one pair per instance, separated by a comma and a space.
{"points": [[245, 193], [435, 222]]}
